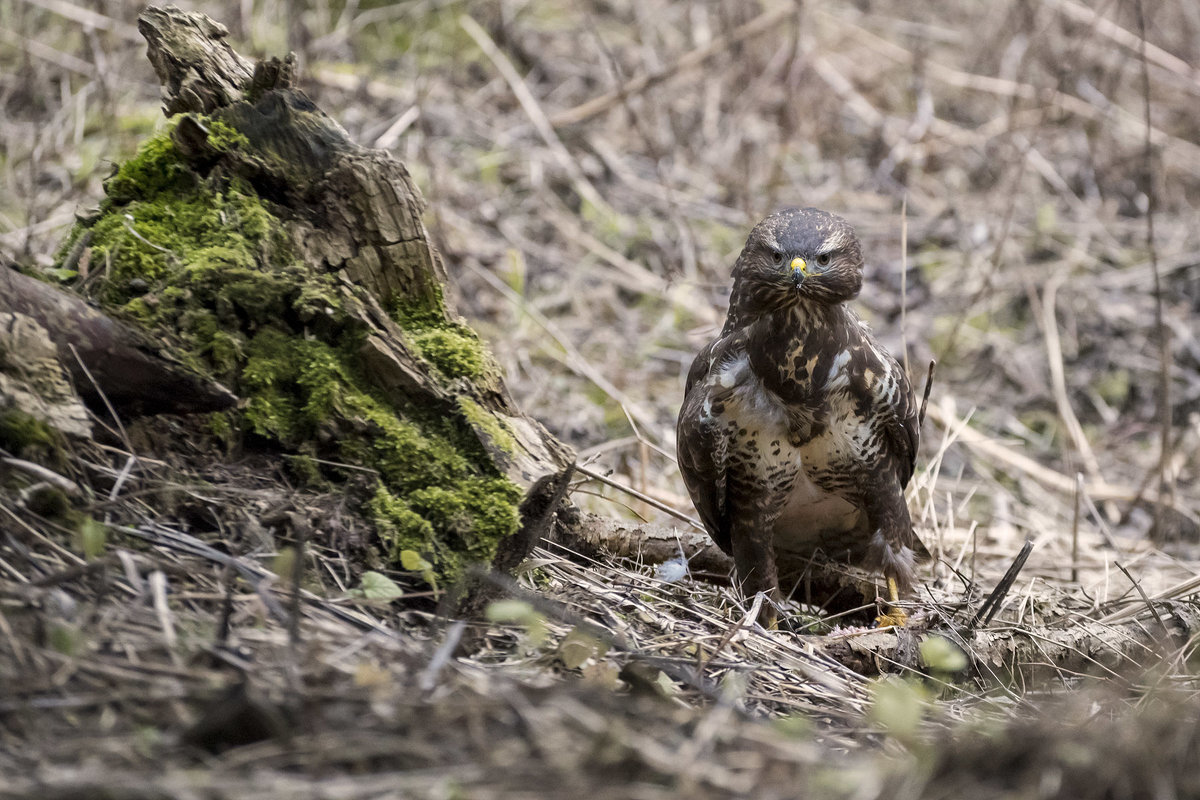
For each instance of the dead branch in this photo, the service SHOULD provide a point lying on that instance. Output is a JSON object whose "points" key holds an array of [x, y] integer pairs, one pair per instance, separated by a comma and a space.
{"points": [[128, 367]]}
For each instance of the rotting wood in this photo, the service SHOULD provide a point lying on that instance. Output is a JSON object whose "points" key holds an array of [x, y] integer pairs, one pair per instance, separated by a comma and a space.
{"points": [[592, 536], [354, 213], [105, 357], [355, 210], [32, 381]]}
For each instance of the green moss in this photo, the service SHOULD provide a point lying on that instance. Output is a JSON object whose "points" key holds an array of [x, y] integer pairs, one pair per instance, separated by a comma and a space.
{"points": [[206, 262], [304, 469], [26, 436], [223, 137], [499, 435], [455, 353], [157, 167], [433, 496], [414, 315], [448, 345], [222, 426], [451, 526]]}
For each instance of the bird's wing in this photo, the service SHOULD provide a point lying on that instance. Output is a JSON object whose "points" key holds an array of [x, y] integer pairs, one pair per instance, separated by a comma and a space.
{"points": [[702, 445], [895, 400], [897, 410]]}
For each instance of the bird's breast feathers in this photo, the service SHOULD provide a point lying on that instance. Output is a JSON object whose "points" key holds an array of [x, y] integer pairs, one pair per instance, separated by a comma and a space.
{"points": [[804, 459], [819, 426]]}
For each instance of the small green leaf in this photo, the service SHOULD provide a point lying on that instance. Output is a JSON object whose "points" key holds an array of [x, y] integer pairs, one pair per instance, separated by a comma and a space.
{"points": [[796, 726], [510, 611], [284, 563], [413, 561], [942, 655], [898, 707], [520, 612], [93, 537], [536, 630], [377, 586], [64, 638], [577, 647]]}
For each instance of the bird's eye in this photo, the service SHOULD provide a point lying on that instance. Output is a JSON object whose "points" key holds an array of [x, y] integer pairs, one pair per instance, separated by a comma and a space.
{"points": [[824, 259], [778, 256]]}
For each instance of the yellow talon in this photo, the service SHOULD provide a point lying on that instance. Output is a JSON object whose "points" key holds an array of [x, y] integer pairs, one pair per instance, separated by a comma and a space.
{"points": [[894, 616]]}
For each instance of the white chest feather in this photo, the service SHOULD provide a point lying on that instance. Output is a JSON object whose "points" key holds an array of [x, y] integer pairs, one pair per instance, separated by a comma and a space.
{"points": [[761, 429]]}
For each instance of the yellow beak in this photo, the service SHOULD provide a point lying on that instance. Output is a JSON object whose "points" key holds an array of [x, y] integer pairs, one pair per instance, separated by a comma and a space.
{"points": [[799, 263]]}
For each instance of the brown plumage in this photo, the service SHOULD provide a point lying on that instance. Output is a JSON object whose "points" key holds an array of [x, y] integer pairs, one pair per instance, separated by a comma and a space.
{"points": [[798, 431]]}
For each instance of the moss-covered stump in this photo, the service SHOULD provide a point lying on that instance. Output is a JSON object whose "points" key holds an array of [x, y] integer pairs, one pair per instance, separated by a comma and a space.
{"points": [[292, 265]]}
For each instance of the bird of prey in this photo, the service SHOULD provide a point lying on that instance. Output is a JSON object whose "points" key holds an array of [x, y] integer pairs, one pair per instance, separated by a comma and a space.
{"points": [[798, 431]]}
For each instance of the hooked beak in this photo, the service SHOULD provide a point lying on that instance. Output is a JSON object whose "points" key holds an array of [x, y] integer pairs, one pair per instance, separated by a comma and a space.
{"points": [[799, 269]]}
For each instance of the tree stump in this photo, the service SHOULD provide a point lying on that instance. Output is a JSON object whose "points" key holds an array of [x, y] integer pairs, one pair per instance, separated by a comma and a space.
{"points": [[291, 264]]}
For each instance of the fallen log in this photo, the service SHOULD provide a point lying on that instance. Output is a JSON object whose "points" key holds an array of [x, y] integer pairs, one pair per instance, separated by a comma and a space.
{"points": [[110, 362]]}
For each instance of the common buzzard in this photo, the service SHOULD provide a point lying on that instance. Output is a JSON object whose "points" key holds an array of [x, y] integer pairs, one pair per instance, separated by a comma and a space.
{"points": [[798, 431]]}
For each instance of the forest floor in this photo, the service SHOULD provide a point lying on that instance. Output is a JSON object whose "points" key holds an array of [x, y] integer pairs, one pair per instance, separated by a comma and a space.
{"points": [[591, 171]]}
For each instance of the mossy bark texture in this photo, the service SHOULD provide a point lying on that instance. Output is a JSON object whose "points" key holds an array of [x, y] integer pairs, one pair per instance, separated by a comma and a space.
{"points": [[292, 265]]}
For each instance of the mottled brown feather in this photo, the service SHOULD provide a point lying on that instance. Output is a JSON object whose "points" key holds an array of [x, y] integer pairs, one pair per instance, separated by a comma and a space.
{"points": [[798, 431]]}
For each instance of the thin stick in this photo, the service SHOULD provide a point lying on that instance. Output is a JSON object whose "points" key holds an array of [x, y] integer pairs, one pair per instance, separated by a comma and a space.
{"points": [[44, 474], [1058, 380], [441, 656], [904, 290], [158, 592], [764, 22], [992, 604], [534, 111], [1145, 599], [645, 498], [112, 411], [1165, 487], [925, 397], [302, 529], [1075, 528]]}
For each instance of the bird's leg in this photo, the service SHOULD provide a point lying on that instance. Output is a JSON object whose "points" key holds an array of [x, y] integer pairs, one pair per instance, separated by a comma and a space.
{"points": [[894, 616], [754, 559], [890, 550]]}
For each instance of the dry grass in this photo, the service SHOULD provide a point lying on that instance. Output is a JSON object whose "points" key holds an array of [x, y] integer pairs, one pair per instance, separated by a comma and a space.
{"points": [[592, 169]]}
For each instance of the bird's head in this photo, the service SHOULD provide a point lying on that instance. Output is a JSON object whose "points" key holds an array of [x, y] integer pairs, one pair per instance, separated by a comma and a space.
{"points": [[799, 254]]}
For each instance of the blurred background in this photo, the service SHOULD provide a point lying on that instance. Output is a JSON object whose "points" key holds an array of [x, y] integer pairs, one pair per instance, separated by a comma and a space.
{"points": [[1023, 174]]}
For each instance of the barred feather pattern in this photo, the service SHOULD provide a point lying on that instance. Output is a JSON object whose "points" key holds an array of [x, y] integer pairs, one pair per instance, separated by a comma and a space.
{"points": [[798, 431]]}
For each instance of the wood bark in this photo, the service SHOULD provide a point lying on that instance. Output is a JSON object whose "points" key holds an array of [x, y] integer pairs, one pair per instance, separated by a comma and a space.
{"points": [[108, 361], [32, 380], [353, 212]]}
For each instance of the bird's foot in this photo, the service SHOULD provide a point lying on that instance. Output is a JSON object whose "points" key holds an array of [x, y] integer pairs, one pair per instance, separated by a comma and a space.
{"points": [[893, 616]]}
